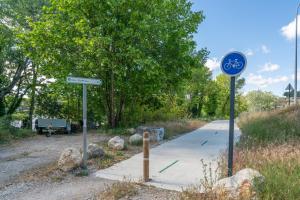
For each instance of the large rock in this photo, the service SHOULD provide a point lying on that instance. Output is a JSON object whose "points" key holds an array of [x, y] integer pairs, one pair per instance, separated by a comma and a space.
{"points": [[95, 151], [116, 143], [69, 159], [241, 184], [136, 139], [156, 134]]}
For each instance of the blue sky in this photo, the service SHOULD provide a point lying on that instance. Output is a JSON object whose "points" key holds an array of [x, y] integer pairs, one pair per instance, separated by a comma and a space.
{"points": [[262, 29]]}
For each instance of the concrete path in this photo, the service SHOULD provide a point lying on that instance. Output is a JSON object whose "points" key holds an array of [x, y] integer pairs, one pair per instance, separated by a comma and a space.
{"points": [[177, 164]]}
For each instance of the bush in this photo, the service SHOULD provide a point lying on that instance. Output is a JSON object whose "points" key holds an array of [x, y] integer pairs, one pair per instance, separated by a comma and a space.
{"points": [[8, 132]]}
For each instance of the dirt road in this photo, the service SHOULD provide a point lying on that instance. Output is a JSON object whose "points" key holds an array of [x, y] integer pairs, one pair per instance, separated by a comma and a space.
{"points": [[34, 152], [24, 159], [27, 172]]}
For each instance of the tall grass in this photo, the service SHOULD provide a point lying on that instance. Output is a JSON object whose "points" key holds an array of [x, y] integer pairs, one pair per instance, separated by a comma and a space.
{"points": [[275, 126], [174, 128], [271, 145]]}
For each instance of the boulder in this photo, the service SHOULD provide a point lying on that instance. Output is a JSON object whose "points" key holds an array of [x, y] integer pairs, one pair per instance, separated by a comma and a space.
{"points": [[136, 139], [156, 134], [94, 151], [69, 159], [240, 184], [116, 143]]}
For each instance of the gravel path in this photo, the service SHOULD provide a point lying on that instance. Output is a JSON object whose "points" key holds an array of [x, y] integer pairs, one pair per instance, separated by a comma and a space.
{"points": [[22, 162], [28, 172], [38, 151]]}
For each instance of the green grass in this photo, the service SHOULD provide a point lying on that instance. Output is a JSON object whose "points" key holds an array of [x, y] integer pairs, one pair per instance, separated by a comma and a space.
{"points": [[276, 126], [8, 132], [271, 144], [7, 135], [281, 182]]}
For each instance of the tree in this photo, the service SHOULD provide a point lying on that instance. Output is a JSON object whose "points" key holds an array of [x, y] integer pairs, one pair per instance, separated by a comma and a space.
{"points": [[211, 100], [137, 48], [15, 16], [197, 85], [13, 67], [261, 101], [222, 83]]}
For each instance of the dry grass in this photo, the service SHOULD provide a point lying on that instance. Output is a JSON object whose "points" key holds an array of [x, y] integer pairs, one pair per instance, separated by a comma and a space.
{"points": [[258, 157], [271, 145], [179, 127], [205, 191], [118, 190], [277, 126]]}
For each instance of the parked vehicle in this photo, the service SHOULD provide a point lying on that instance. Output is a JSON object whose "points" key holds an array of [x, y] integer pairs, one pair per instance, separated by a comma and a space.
{"points": [[50, 126]]}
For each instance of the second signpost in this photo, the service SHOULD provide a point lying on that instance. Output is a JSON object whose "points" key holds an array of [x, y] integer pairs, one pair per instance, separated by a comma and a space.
{"points": [[233, 64], [84, 82]]}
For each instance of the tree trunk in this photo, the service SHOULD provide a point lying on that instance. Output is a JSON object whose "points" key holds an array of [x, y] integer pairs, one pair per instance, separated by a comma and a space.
{"points": [[32, 96], [2, 107], [200, 106], [112, 101], [119, 114]]}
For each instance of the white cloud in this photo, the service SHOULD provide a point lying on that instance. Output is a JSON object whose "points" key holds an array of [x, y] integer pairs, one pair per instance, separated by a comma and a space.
{"points": [[212, 63], [263, 82], [269, 67], [288, 31], [265, 49], [249, 52]]}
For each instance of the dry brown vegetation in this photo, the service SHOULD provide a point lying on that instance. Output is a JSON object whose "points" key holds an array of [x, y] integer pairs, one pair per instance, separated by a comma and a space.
{"points": [[179, 127], [271, 145], [117, 191]]}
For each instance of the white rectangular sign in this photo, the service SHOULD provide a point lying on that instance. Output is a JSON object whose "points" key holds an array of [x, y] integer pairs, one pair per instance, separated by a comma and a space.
{"points": [[80, 80]]}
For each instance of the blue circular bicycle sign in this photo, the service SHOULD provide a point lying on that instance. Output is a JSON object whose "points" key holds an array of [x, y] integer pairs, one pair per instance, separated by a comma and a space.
{"points": [[233, 63]]}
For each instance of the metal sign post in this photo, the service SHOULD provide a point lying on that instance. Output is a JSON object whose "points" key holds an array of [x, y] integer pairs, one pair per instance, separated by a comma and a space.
{"points": [[84, 128], [84, 82], [233, 64], [289, 88]]}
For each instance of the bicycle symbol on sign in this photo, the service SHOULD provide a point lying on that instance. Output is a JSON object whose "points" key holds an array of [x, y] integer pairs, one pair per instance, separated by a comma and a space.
{"points": [[234, 64]]}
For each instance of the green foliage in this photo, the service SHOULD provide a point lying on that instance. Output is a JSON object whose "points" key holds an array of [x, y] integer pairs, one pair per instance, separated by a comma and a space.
{"points": [[211, 100], [281, 181], [218, 98], [270, 144], [124, 43], [16, 68], [2, 108], [261, 101], [197, 89], [143, 52], [8, 132]]}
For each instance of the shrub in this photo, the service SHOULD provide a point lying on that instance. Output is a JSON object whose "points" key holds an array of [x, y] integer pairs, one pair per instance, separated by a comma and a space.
{"points": [[8, 132]]}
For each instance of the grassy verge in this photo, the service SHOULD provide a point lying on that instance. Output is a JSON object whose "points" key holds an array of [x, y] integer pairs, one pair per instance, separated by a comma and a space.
{"points": [[111, 157], [8, 132], [271, 145], [179, 127], [7, 135], [276, 126]]}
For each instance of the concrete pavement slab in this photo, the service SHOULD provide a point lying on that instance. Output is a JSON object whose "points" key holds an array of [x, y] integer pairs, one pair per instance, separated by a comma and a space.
{"points": [[177, 164]]}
